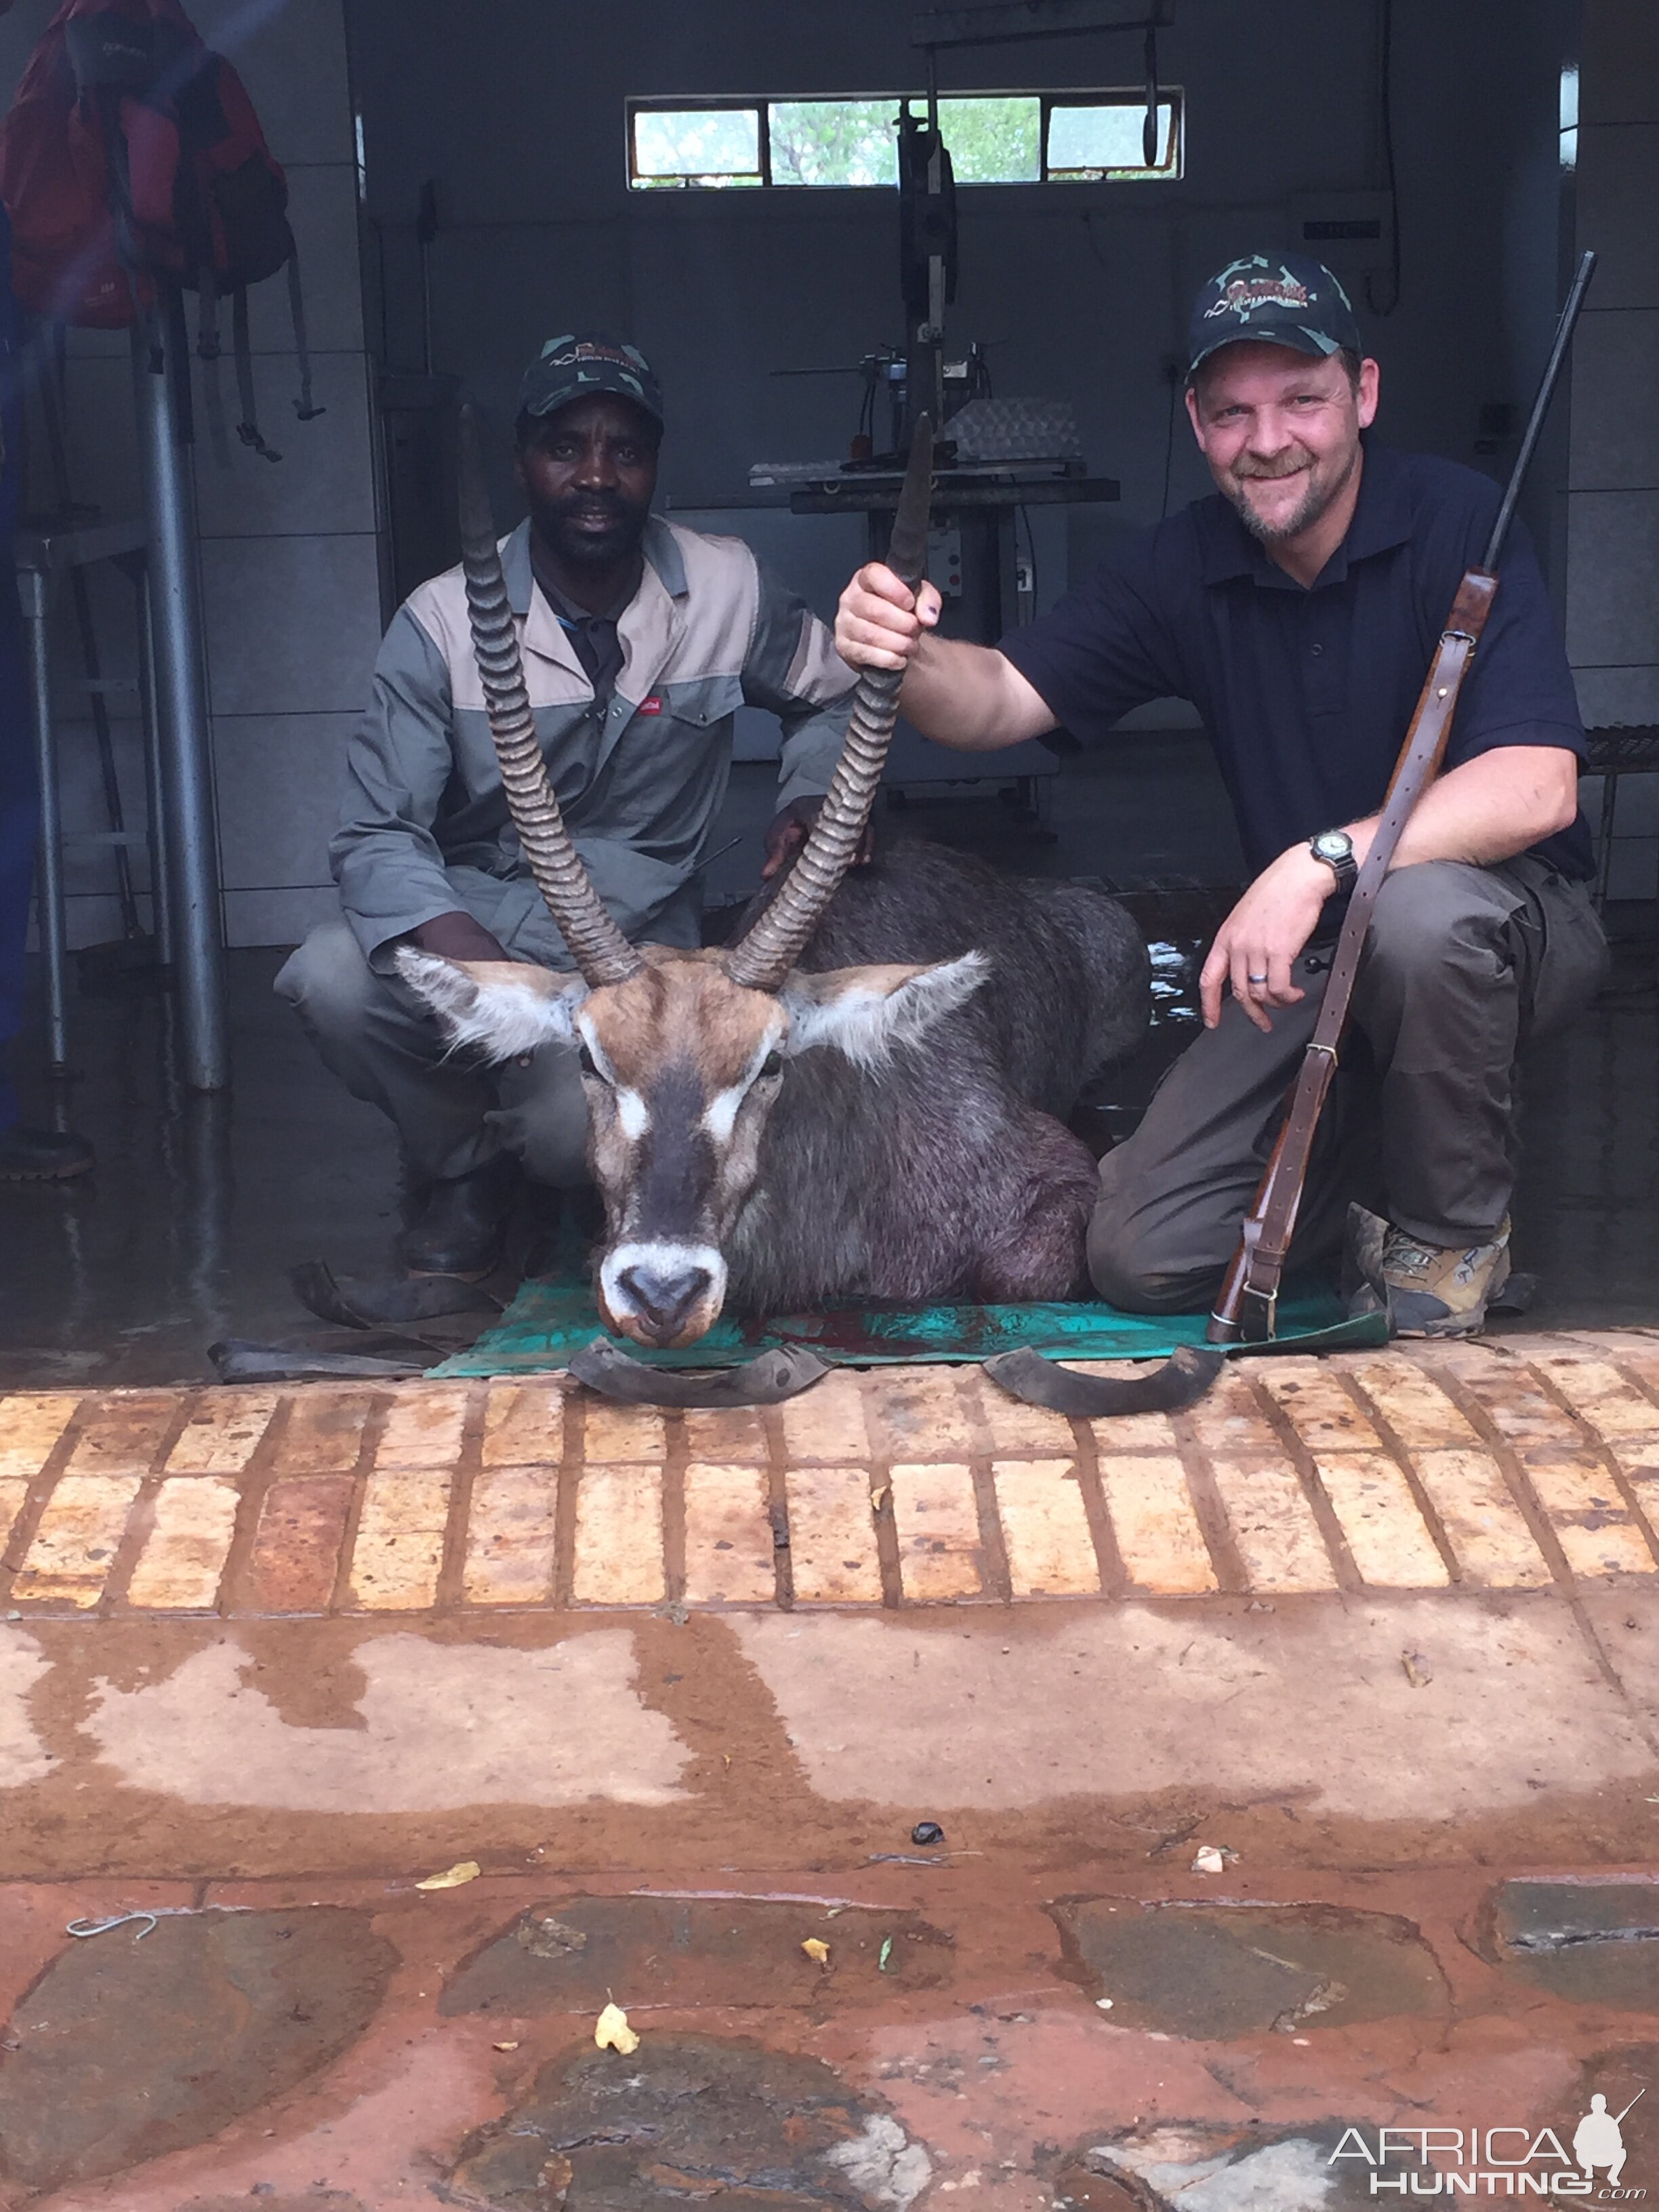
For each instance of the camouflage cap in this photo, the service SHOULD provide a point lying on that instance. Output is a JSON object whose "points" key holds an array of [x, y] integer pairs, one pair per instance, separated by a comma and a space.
{"points": [[1277, 299], [582, 363]]}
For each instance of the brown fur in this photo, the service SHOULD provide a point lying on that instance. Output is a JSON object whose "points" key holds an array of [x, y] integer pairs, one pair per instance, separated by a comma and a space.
{"points": [[681, 1007], [912, 1153]]}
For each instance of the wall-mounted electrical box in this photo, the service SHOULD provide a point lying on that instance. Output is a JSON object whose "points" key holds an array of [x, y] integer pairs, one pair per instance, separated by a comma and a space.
{"points": [[1351, 233]]}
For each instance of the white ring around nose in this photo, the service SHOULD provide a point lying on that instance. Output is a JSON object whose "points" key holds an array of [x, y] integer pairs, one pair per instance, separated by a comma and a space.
{"points": [[658, 1256]]}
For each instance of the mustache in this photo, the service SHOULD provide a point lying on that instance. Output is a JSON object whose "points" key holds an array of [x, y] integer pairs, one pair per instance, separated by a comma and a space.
{"points": [[1268, 472], [608, 503]]}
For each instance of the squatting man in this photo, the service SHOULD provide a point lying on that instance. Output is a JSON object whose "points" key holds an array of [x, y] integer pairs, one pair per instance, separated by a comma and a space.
{"points": [[1297, 609], [641, 639]]}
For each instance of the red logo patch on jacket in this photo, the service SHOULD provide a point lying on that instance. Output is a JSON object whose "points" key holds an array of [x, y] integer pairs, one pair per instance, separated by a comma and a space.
{"points": [[651, 706]]}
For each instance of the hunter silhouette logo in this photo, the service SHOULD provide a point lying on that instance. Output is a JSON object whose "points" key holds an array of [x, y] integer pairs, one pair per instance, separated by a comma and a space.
{"points": [[1599, 2141], [1505, 2161]]}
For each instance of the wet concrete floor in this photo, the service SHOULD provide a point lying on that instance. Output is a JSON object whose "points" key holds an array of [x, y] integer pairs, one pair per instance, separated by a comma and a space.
{"points": [[225, 1985], [199, 1205]]}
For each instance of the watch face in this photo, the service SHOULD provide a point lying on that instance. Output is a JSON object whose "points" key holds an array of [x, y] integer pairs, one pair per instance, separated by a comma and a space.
{"points": [[1332, 845]]}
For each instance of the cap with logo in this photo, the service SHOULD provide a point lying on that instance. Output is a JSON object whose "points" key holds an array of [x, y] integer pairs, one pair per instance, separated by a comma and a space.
{"points": [[580, 364], [1288, 300]]}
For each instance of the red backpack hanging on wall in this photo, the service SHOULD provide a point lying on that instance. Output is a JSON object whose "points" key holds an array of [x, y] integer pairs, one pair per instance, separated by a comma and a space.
{"points": [[132, 157]]}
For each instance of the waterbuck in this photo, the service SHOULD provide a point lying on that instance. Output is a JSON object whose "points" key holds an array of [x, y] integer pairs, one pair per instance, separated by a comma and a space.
{"points": [[859, 1097]]}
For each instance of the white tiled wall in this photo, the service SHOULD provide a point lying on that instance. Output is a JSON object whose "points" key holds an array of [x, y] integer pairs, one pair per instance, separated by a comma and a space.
{"points": [[289, 579]]}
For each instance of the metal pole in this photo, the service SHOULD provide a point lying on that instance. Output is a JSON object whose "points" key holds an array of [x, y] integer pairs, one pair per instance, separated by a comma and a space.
{"points": [[35, 591], [184, 740], [160, 887]]}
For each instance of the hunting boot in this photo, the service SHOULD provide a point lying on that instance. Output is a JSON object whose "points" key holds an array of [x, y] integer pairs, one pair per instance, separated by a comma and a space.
{"points": [[462, 1223], [1425, 1289], [42, 1155]]}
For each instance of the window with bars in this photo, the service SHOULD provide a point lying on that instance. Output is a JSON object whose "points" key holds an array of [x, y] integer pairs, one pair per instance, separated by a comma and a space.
{"points": [[994, 138]]}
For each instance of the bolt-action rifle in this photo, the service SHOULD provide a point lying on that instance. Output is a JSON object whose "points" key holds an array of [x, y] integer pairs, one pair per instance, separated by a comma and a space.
{"points": [[1248, 1306]]}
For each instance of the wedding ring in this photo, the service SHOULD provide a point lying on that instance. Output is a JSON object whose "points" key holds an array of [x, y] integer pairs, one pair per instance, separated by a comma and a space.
{"points": [[1255, 979]]}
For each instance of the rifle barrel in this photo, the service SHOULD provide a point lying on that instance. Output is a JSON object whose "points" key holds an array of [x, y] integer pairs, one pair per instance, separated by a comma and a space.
{"points": [[1540, 408]]}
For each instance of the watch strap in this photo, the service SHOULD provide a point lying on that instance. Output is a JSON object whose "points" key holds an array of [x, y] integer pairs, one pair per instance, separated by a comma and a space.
{"points": [[1343, 866]]}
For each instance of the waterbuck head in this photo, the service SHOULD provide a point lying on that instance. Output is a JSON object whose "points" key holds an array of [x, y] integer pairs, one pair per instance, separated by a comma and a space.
{"points": [[681, 1064], [682, 1054]]}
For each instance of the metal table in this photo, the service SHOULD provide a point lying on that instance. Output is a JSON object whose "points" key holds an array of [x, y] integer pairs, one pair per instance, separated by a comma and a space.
{"points": [[875, 490], [1631, 750], [979, 503]]}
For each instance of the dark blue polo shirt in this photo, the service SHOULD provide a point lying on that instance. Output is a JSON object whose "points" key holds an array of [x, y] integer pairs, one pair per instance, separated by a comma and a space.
{"points": [[1307, 692]]}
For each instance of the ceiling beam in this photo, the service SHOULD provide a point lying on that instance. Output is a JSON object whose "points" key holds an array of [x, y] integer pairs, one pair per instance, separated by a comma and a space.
{"points": [[1034, 19]]}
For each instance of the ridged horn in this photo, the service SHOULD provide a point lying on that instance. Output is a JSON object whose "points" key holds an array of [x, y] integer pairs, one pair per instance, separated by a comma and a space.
{"points": [[598, 948], [765, 955]]}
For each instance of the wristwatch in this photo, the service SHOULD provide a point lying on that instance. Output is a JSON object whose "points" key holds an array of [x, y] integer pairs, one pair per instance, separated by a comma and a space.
{"points": [[1335, 848]]}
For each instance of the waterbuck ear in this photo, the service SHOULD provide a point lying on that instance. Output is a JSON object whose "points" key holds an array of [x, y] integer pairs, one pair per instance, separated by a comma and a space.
{"points": [[864, 1013], [501, 1006]]}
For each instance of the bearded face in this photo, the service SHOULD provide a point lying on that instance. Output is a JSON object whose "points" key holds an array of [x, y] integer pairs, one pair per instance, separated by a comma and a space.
{"points": [[1280, 431], [589, 474]]}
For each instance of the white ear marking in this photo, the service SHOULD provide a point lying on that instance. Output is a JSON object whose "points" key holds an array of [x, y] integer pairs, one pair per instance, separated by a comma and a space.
{"points": [[501, 1009], [864, 1017]]}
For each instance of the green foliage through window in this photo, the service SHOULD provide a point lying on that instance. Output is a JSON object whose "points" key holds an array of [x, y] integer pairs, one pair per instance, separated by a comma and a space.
{"points": [[833, 142], [994, 141], [994, 138]]}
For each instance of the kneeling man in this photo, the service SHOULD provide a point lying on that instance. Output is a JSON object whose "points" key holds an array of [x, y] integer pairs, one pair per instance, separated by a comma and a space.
{"points": [[641, 639], [1298, 608]]}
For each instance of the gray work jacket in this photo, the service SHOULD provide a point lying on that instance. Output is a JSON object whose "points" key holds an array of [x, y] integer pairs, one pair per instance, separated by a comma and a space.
{"points": [[425, 828]]}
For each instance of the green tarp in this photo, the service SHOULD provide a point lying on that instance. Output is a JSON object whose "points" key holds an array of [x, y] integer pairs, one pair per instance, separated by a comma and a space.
{"points": [[548, 1320]]}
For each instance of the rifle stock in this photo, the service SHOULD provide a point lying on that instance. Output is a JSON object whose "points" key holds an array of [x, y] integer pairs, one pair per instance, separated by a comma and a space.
{"points": [[1247, 1306]]}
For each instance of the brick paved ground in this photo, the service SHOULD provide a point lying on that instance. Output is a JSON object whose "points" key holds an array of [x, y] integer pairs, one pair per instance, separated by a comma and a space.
{"points": [[1506, 1465]]}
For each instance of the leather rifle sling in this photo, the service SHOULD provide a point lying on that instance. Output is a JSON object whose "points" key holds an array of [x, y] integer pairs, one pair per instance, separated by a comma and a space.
{"points": [[1268, 1229]]}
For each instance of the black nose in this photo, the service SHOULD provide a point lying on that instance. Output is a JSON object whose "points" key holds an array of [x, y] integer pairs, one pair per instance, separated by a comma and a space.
{"points": [[665, 1296]]}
